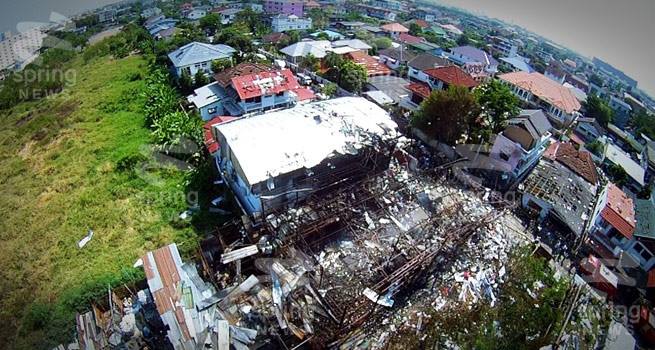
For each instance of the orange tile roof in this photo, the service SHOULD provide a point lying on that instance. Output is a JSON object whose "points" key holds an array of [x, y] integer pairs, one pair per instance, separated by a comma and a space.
{"points": [[420, 89], [394, 27], [372, 66], [421, 23], [452, 75], [544, 88], [580, 162], [619, 211]]}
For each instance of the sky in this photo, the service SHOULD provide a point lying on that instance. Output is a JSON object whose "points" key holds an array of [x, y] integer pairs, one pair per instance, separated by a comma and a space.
{"points": [[620, 32]]}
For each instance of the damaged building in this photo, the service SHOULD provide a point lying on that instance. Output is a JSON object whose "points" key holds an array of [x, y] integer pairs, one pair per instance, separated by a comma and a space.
{"points": [[277, 159]]}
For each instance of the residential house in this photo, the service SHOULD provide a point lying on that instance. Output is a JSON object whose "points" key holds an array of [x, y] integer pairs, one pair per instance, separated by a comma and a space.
{"points": [[197, 57], [645, 232], [349, 26], [330, 34], [404, 38], [247, 89], [107, 16], [229, 15], [648, 156], [439, 78], [636, 105], [156, 27], [283, 23], [343, 139], [396, 57], [150, 12], [285, 7], [453, 30], [376, 12], [516, 64], [613, 228], [274, 38], [320, 48], [562, 187], [537, 91], [621, 110], [392, 86], [503, 47], [196, 14], [522, 143], [479, 64], [372, 66], [419, 64], [394, 29], [588, 129], [555, 72], [577, 81], [636, 173]]}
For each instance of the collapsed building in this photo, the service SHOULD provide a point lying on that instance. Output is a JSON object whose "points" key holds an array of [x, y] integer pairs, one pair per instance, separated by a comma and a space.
{"points": [[277, 159]]}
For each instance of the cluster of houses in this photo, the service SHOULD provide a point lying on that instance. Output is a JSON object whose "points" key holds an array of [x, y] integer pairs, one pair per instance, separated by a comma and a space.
{"points": [[250, 108]]}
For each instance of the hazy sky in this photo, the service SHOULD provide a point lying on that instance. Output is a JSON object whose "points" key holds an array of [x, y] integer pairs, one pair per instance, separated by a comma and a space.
{"points": [[621, 32]]}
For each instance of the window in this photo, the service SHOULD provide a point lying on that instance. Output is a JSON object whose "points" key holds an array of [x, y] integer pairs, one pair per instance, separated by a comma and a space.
{"points": [[211, 110], [643, 251], [504, 156]]}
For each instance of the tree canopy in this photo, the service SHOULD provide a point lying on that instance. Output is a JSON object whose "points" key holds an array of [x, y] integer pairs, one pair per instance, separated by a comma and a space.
{"points": [[447, 115], [599, 110], [497, 103]]}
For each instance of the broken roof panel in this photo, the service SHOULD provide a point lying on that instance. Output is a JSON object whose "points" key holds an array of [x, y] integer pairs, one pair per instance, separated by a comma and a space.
{"points": [[264, 83]]}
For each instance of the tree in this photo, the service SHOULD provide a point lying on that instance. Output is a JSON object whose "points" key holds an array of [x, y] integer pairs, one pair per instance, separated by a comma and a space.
{"points": [[618, 175], [596, 80], [447, 114], [463, 40], [320, 18], [310, 62], [210, 23], [332, 60], [185, 82], [644, 123], [294, 36], [598, 109], [221, 65], [352, 76], [200, 79], [415, 29], [497, 103], [596, 147], [329, 89], [322, 36], [176, 126], [382, 43]]}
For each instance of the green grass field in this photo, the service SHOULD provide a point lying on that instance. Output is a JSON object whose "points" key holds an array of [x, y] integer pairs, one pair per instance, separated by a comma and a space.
{"points": [[70, 163]]}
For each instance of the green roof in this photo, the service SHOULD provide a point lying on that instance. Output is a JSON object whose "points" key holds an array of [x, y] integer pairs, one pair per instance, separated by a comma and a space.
{"points": [[645, 215], [424, 46], [438, 30]]}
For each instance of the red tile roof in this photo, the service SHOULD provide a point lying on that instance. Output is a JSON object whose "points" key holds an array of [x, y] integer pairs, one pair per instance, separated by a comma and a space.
{"points": [[619, 211], [225, 77], [580, 162], [452, 75], [421, 23], [410, 39], [420, 89], [210, 141], [394, 27], [264, 83], [544, 88], [372, 66], [651, 281], [304, 94]]}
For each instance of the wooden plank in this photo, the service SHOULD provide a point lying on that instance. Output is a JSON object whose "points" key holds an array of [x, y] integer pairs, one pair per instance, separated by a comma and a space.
{"points": [[223, 335]]}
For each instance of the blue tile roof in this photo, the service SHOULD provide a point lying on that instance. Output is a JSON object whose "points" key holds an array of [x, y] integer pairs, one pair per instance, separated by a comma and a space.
{"points": [[519, 63], [196, 52]]}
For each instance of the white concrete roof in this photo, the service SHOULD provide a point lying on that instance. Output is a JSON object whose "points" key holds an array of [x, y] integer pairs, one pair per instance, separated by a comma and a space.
{"points": [[617, 156], [205, 95], [280, 142]]}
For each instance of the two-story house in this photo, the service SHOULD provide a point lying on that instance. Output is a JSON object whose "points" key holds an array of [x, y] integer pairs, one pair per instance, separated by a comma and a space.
{"points": [[198, 57], [537, 91], [478, 63], [522, 143], [613, 228], [248, 88], [439, 78], [282, 23], [419, 64]]}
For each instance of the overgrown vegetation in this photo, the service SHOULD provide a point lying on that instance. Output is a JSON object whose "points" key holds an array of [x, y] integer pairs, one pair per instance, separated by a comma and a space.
{"points": [[109, 150]]}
